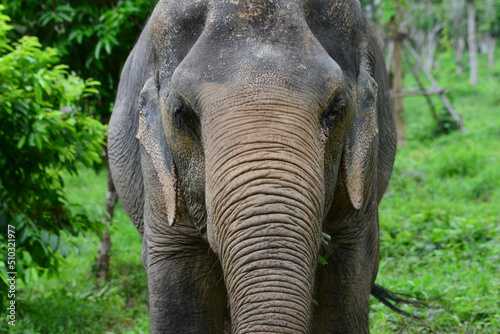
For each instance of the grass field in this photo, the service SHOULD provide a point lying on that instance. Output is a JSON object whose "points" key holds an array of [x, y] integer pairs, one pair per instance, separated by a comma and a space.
{"points": [[440, 219], [439, 223]]}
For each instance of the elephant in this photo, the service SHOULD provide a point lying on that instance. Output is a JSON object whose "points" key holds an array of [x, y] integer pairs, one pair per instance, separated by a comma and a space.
{"points": [[244, 133]]}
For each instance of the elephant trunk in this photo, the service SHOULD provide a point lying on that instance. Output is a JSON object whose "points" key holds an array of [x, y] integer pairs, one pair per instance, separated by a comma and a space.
{"points": [[265, 195]]}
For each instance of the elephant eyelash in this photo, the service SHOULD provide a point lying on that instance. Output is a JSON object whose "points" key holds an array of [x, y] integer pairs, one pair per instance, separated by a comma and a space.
{"points": [[186, 119], [334, 109]]}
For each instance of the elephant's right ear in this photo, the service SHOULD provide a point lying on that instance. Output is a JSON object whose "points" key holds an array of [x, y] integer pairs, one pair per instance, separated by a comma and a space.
{"points": [[152, 138]]}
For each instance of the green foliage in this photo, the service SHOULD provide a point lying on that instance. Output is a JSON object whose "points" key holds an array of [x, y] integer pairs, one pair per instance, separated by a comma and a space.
{"points": [[439, 220], [43, 133], [322, 261], [93, 38], [70, 302], [495, 22], [447, 124], [389, 10], [383, 11]]}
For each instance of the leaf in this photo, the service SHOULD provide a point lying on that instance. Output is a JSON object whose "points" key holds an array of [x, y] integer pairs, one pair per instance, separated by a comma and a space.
{"points": [[54, 242], [326, 238], [38, 141], [27, 257], [45, 237], [97, 50], [31, 139], [76, 34], [107, 47], [38, 94], [23, 235], [91, 82], [113, 40], [64, 250], [21, 142], [321, 260], [64, 17], [46, 18]]}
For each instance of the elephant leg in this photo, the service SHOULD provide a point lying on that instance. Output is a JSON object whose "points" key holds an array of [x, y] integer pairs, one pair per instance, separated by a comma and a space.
{"points": [[186, 288], [343, 285], [185, 281]]}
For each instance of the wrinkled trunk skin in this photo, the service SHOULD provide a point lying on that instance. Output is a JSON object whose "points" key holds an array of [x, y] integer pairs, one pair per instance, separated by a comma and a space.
{"points": [[265, 199]]}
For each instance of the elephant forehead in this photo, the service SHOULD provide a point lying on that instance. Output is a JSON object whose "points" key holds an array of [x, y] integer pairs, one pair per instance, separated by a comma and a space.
{"points": [[260, 16], [253, 18], [271, 15], [232, 38], [263, 77], [233, 14]]}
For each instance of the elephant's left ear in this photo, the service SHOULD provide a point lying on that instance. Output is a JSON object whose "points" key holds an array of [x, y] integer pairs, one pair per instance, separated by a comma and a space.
{"points": [[359, 160], [152, 138]]}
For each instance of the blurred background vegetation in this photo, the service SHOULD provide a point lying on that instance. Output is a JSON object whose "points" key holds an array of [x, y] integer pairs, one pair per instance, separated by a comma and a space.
{"points": [[439, 221]]}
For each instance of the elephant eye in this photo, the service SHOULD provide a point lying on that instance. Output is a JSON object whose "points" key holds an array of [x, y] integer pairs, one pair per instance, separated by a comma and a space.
{"points": [[187, 120], [333, 111]]}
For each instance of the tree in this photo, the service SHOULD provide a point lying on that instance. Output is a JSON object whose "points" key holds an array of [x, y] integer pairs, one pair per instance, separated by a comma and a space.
{"points": [[456, 15], [93, 38], [43, 133], [381, 12], [425, 26], [398, 35], [491, 28], [472, 42]]}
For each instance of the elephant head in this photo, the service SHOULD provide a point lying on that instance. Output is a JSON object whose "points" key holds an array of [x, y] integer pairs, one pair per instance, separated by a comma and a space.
{"points": [[242, 130]]}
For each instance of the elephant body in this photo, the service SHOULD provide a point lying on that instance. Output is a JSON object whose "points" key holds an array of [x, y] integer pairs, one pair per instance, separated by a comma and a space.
{"points": [[242, 132]]}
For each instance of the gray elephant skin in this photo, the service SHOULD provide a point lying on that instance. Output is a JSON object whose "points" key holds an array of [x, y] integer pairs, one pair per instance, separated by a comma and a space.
{"points": [[242, 130]]}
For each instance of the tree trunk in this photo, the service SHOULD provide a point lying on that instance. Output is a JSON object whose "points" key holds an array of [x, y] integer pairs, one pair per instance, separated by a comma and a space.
{"points": [[429, 46], [459, 47], [390, 55], [491, 53], [398, 35], [397, 86], [104, 248], [473, 57]]}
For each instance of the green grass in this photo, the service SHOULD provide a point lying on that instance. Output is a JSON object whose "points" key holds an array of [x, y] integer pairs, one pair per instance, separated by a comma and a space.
{"points": [[68, 301], [440, 219], [440, 234]]}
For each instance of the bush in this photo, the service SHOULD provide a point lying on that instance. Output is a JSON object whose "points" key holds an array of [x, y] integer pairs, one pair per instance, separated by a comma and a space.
{"points": [[93, 37], [43, 133]]}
